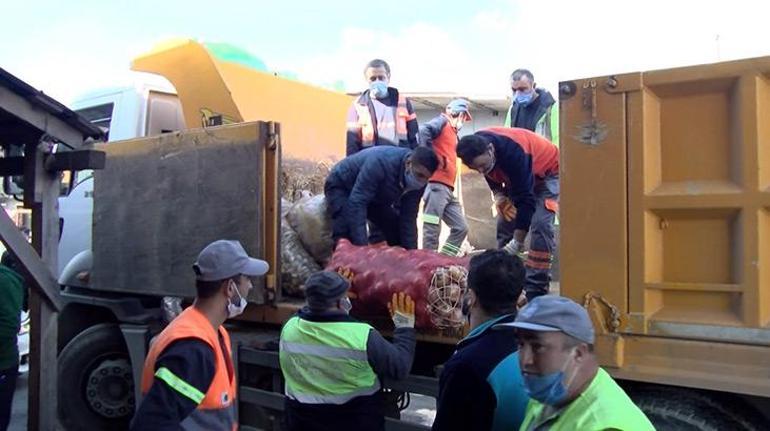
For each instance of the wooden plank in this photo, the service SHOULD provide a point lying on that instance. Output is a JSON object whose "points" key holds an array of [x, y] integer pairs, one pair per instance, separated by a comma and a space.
{"points": [[75, 160], [45, 122], [41, 276], [44, 328]]}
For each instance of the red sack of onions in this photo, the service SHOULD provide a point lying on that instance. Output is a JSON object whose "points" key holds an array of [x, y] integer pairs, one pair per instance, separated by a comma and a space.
{"points": [[435, 282]]}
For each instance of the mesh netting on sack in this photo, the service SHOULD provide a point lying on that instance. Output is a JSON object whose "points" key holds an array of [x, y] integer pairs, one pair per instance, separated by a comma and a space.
{"points": [[445, 295]]}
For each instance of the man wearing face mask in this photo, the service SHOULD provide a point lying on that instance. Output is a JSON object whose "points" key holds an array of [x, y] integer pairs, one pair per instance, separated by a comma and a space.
{"points": [[440, 134], [189, 379], [333, 364], [381, 115], [522, 170], [532, 108], [561, 373], [382, 185], [480, 387]]}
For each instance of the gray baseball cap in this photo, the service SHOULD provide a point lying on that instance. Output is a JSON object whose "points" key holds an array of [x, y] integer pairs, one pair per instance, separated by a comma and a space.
{"points": [[223, 259], [555, 314], [323, 288], [459, 106]]}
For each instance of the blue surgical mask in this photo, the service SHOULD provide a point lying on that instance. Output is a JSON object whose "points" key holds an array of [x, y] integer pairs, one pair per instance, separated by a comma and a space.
{"points": [[549, 389], [524, 99], [411, 182], [378, 89]]}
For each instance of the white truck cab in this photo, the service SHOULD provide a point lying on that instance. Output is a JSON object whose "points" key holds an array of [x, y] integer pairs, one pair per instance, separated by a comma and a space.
{"points": [[144, 107]]}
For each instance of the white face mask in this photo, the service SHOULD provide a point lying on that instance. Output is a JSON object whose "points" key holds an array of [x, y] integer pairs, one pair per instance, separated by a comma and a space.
{"points": [[233, 309]]}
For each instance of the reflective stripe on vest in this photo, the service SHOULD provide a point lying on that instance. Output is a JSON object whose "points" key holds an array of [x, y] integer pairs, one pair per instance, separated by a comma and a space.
{"points": [[326, 362], [216, 408], [179, 385], [366, 123]]}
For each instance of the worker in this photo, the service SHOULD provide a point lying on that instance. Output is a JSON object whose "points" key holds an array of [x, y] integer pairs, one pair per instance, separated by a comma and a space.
{"points": [[188, 380], [522, 169], [383, 185], [480, 387], [532, 108], [568, 389], [380, 115], [333, 364], [12, 292], [440, 202]]}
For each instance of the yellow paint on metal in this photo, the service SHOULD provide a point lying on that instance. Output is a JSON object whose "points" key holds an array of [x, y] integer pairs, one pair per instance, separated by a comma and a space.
{"points": [[666, 214], [214, 90]]}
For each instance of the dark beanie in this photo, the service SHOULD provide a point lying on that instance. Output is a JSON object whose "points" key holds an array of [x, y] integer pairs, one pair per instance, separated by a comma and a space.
{"points": [[323, 289]]}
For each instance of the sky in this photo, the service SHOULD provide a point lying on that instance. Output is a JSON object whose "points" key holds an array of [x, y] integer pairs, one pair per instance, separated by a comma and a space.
{"points": [[67, 48]]}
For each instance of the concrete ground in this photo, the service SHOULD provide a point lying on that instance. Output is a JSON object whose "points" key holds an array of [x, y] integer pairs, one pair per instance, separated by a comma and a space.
{"points": [[19, 412]]}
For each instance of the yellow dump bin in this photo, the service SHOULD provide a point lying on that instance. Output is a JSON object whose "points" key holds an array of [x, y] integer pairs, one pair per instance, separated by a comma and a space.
{"points": [[215, 90]]}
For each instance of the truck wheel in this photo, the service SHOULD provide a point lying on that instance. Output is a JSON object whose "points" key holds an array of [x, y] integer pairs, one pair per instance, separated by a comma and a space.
{"points": [[721, 410], [673, 409], [96, 387]]}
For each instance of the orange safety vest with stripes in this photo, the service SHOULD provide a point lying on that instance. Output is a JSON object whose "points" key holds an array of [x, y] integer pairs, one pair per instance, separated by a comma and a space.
{"points": [[366, 123], [216, 408]]}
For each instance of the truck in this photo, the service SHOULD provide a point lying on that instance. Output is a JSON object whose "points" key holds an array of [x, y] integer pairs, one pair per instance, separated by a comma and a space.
{"points": [[664, 219]]}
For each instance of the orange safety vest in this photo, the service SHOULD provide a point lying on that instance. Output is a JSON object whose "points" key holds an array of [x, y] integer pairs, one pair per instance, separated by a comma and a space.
{"points": [[217, 409], [366, 123], [445, 147]]}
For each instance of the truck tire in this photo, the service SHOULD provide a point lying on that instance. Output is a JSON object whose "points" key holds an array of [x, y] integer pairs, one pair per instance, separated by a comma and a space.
{"points": [[96, 388], [671, 409], [717, 409]]}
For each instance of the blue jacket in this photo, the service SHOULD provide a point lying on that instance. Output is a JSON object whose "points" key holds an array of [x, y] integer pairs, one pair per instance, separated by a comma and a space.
{"points": [[375, 177], [481, 387]]}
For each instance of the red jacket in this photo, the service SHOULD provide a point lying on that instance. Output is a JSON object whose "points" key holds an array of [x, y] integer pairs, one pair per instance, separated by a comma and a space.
{"points": [[442, 137]]}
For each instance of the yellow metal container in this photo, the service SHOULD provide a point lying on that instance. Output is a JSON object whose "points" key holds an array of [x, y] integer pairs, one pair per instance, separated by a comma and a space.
{"points": [[215, 90], [666, 221]]}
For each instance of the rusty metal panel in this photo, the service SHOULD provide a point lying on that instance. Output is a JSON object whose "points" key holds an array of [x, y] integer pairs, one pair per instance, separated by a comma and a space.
{"points": [[160, 200]]}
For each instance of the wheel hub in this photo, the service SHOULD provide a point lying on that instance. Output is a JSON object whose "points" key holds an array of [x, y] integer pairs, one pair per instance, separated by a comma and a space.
{"points": [[110, 389]]}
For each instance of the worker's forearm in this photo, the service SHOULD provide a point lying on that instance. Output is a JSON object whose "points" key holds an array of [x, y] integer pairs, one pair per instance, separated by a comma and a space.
{"points": [[392, 360]]}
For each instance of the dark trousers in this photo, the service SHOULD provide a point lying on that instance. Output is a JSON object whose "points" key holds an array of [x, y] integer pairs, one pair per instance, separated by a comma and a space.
{"points": [[383, 220], [7, 388], [542, 244]]}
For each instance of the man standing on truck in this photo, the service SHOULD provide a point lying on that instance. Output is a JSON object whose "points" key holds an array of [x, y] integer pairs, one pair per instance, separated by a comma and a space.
{"points": [[522, 169], [189, 379], [568, 389], [532, 108], [383, 185], [380, 115], [441, 203], [333, 364], [480, 387]]}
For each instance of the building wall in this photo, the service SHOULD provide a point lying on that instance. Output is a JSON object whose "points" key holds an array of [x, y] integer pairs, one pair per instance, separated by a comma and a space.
{"points": [[481, 119]]}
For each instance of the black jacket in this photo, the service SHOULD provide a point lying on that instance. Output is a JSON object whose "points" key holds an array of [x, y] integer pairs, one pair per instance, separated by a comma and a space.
{"points": [[375, 177], [526, 117]]}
